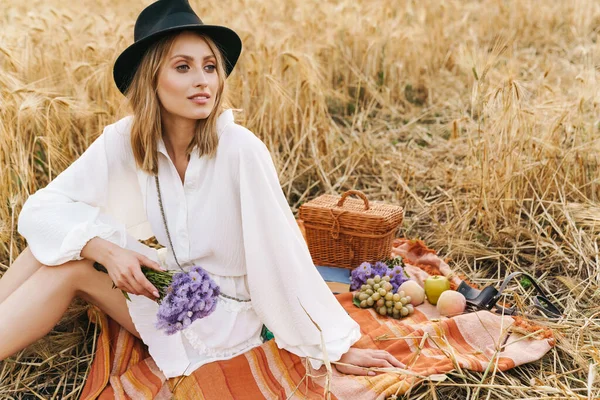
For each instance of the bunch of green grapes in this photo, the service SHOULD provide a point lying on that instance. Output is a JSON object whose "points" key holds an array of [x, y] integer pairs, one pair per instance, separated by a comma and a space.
{"points": [[378, 293]]}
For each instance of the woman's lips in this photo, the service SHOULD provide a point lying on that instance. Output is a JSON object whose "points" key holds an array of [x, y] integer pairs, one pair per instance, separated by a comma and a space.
{"points": [[200, 100]]}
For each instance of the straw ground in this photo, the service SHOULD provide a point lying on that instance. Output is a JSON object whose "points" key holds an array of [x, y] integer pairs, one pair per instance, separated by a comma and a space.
{"points": [[480, 117]]}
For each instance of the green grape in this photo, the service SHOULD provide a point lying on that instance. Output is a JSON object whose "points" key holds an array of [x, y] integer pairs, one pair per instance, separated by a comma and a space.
{"points": [[398, 306], [408, 298], [382, 292], [380, 303], [389, 287], [396, 297], [396, 312], [363, 296], [387, 278], [404, 300], [382, 310], [404, 311], [389, 296], [401, 293], [369, 291], [377, 278], [411, 308], [363, 304], [363, 287], [376, 286], [389, 303], [370, 282], [370, 302], [376, 296]]}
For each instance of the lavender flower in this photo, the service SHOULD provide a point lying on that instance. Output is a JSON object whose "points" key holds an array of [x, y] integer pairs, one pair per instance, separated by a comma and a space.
{"points": [[360, 275], [190, 296], [397, 276], [183, 296], [392, 268], [380, 268]]}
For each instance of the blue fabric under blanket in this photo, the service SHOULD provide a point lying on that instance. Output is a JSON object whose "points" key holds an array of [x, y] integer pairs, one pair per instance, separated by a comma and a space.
{"points": [[333, 274]]}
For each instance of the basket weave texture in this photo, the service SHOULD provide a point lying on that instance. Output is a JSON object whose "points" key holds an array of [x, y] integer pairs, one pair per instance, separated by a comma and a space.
{"points": [[344, 232]]}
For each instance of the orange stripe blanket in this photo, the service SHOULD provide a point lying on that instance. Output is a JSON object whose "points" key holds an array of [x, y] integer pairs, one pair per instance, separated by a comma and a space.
{"points": [[429, 345]]}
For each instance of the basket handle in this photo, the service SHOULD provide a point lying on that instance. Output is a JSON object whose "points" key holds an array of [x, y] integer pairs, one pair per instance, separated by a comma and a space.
{"points": [[356, 192]]}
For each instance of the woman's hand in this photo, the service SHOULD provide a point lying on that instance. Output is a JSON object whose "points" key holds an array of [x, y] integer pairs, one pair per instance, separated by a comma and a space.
{"points": [[123, 266], [366, 358]]}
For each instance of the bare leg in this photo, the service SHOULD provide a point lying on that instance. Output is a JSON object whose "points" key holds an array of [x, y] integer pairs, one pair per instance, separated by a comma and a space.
{"points": [[35, 307], [21, 269]]}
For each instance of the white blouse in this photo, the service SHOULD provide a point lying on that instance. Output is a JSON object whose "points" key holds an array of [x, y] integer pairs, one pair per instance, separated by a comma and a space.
{"points": [[230, 216]]}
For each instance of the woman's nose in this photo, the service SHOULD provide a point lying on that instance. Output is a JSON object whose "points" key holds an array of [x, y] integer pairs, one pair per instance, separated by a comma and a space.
{"points": [[201, 79]]}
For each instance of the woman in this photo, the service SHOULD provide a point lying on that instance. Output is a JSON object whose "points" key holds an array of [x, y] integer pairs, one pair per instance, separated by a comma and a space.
{"points": [[182, 170]]}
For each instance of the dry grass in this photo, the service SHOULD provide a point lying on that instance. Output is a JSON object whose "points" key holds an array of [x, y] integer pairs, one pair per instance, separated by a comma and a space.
{"points": [[480, 117]]}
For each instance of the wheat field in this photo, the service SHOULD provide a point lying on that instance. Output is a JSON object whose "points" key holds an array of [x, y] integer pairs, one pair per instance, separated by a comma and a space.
{"points": [[479, 117]]}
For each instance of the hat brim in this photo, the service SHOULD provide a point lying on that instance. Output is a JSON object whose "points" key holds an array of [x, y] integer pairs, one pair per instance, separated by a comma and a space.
{"points": [[126, 64]]}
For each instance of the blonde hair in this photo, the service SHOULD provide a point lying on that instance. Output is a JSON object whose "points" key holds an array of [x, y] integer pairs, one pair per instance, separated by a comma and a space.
{"points": [[146, 128]]}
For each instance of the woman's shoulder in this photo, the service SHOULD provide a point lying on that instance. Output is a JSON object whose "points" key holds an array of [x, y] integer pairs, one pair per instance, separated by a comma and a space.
{"points": [[238, 139], [117, 139], [240, 149], [119, 130]]}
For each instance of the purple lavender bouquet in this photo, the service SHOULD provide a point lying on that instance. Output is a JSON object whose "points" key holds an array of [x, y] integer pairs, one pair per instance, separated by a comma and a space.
{"points": [[183, 298], [392, 268], [192, 295]]}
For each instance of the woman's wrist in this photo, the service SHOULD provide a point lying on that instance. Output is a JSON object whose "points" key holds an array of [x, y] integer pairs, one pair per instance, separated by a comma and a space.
{"points": [[99, 250]]}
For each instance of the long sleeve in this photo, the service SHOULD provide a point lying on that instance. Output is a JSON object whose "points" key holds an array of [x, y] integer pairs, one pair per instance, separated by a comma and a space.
{"points": [[61, 218], [281, 275]]}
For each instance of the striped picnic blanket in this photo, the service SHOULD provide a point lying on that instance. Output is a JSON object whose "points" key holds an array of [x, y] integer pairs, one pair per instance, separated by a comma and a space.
{"points": [[429, 345]]}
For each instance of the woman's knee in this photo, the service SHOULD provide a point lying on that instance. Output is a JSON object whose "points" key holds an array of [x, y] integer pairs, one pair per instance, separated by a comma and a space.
{"points": [[21, 269], [74, 273], [85, 277], [27, 257]]}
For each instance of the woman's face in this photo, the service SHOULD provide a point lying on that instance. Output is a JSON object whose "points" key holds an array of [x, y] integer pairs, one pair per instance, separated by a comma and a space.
{"points": [[188, 81]]}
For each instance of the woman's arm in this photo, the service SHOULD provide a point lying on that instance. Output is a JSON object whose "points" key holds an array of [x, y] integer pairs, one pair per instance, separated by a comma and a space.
{"points": [[284, 284], [99, 250], [62, 219]]}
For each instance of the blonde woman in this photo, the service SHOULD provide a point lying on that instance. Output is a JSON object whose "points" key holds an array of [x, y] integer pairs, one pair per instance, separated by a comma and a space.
{"points": [[182, 170]]}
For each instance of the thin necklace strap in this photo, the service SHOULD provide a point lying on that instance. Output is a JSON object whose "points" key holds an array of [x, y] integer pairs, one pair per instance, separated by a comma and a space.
{"points": [[164, 218]]}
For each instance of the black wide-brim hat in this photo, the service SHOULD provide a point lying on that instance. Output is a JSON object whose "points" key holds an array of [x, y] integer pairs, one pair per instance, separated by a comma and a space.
{"points": [[162, 18]]}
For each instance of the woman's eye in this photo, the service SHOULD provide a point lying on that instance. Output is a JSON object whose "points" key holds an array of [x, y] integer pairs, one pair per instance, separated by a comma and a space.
{"points": [[182, 67], [211, 68]]}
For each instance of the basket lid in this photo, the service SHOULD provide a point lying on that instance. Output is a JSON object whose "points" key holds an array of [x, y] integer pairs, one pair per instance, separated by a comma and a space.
{"points": [[351, 215]]}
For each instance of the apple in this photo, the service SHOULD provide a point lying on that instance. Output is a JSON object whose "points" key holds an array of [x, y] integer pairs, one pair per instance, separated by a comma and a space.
{"points": [[414, 290], [434, 286], [451, 303]]}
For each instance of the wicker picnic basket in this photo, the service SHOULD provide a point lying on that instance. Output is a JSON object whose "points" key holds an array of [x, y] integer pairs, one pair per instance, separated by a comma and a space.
{"points": [[344, 232]]}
